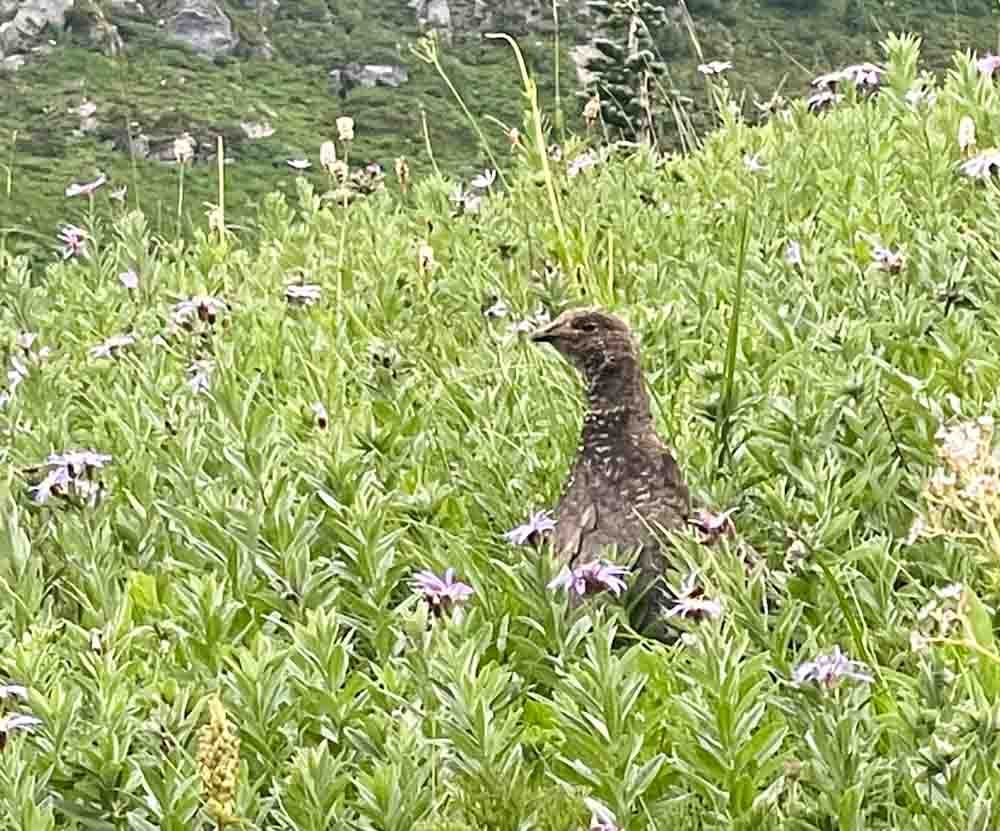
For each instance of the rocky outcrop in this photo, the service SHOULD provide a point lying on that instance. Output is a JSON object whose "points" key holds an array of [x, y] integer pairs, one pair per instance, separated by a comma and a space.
{"points": [[202, 26], [344, 78], [23, 25], [131, 8], [463, 17], [435, 15]]}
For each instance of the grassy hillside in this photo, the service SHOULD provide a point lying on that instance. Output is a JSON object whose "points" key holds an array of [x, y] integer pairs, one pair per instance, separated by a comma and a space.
{"points": [[162, 90], [243, 543]]}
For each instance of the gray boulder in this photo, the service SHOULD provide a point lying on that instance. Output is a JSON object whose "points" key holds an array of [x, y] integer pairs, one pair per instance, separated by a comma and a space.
{"points": [[436, 15], [202, 26], [344, 78], [131, 8], [12, 63], [25, 29]]}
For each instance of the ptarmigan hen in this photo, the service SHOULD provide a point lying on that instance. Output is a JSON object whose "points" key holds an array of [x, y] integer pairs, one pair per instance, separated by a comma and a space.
{"points": [[624, 482]]}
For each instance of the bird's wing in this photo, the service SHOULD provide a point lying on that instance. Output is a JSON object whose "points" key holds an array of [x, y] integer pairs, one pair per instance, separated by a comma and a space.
{"points": [[670, 490], [586, 524], [577, 517]]}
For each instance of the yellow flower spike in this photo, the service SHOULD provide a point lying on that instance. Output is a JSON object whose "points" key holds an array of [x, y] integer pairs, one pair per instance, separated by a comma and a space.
{"points": [[218, 763]]}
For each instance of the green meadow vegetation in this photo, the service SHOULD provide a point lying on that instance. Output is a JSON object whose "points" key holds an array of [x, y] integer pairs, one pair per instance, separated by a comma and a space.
{"points": [[159, 89], [227, 456]]}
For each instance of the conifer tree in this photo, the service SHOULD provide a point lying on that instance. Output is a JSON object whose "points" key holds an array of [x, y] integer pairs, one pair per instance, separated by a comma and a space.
{"points": [[626, 66]]}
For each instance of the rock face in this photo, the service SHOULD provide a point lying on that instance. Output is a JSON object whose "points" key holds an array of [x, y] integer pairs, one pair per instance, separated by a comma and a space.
{"points": [[460, 17], [436, 15], [201, 25], [344, 78], [133, 8], [22, 31]]}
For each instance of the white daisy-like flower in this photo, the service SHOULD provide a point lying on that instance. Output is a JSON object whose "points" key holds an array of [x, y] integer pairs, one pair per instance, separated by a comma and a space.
{"points": [[302, 294], [112, 346]]}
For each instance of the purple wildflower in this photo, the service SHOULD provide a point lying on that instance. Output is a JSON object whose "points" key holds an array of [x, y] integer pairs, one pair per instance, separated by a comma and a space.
{"points": [[988, 65], [691, 602], [530, 532], [74, 240], [320, 416], [530, 324], [982, 165], [14, 723], [56, 482], [16, 374], [204, 308], [466, 201], [112, 346], [828, 670], [583, 162], [864, 75], [793, 254], [484, 180], [867, 77], [712, 526], [715, 67], [822, 100], [601, 817], [920, 95], [13, 691], [199, 376], [129, 279], [592, 578], [87, 188], [302, 294], [887, 260], [498, 309], [79, 460], [70, 475], [442, 593]]}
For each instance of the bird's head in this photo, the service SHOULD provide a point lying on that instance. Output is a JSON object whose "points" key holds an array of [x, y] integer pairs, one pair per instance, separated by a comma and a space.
{"points": [[590, 339]]}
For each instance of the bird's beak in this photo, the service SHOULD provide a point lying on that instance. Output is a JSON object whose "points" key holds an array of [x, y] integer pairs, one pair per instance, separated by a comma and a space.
{"points": [[547, 333]]}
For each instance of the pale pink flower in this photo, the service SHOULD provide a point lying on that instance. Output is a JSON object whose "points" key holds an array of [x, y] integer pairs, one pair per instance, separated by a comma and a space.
{"points": [[442, 593], [87, 188], [592, 578]]}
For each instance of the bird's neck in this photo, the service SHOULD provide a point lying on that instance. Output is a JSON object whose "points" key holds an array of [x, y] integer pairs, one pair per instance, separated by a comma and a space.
{"points": [[618, 403]]}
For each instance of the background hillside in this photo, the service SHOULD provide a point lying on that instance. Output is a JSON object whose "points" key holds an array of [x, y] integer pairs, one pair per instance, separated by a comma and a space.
{"points": [[110, 89]]}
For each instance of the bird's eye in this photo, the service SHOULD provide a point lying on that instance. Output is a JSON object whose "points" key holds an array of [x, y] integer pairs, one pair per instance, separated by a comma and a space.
{"points": [[586, 326]]}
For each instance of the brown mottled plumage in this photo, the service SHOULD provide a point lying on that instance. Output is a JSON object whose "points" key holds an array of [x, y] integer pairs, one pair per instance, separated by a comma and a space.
{"points": [[624, 482]]}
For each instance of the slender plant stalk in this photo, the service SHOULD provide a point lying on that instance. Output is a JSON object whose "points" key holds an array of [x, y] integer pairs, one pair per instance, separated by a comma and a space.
{"points": [[531, 93], [180, 197], [560, 119], [9, 167], [727, 404], [427, 51], [220, 158], [427, 141]]}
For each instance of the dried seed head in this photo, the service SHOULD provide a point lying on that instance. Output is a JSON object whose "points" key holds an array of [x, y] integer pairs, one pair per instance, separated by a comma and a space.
{"points": [[403, 172], [345, 128]]}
